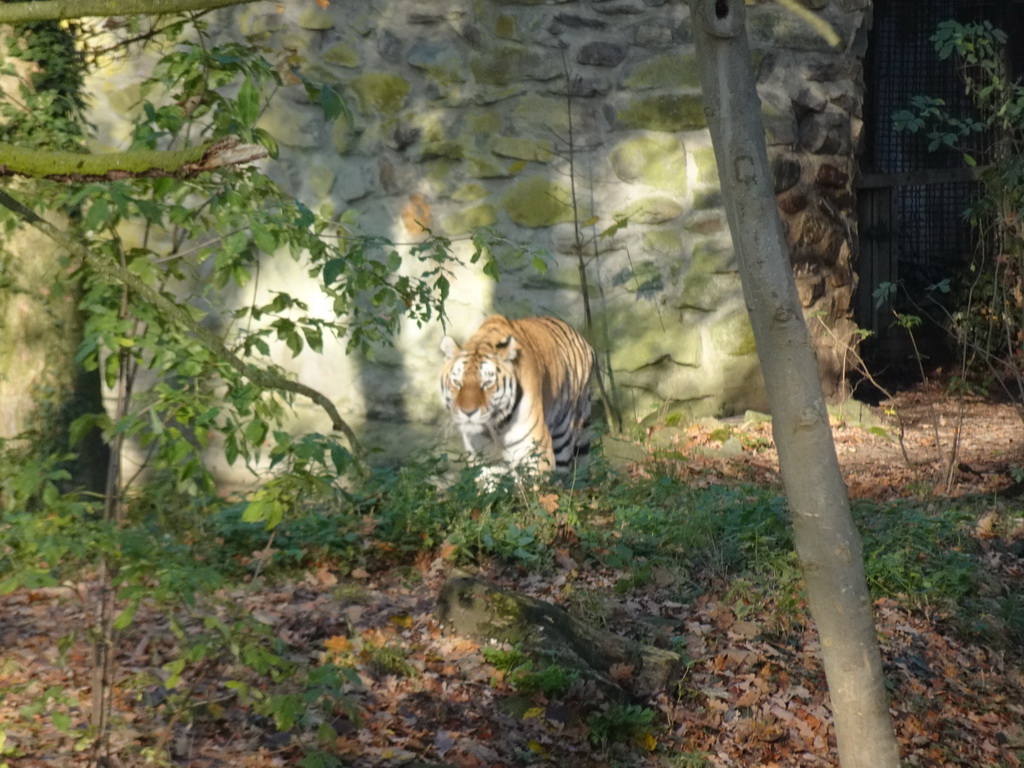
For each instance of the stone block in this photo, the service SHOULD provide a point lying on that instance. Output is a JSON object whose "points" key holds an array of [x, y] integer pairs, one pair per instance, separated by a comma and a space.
{"points": [[665, 243], [316, 19], [733, 334], [341, 55], [537, 202], [657, 160], [464, 221], [664, 112], [601, 53], [655, 209], [638, 344], [380, 93], [535, 115], [537, 150], [469, 192], [707, 291], [670, 70]]}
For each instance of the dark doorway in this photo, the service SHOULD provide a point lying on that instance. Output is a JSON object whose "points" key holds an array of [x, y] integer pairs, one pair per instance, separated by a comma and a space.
{"points": [[911, 201]]}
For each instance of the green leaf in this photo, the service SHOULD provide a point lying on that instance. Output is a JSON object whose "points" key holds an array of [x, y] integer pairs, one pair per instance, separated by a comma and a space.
{"points": [[256, 431], [98, 216], [332, 270], [333, 104], [264, 139], [248, 102], [264, 509], [125, 617], [314, 338], [62, 721]]}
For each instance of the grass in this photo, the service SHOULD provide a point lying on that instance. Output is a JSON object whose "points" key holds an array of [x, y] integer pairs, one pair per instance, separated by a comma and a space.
{"points": [[922, 553]]}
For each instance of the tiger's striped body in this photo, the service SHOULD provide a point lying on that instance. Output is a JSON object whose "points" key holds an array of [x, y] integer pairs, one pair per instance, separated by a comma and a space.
{"points": [[522, 386]]}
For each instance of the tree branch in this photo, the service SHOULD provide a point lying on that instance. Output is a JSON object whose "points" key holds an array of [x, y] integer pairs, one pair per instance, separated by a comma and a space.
{"points": [[180, 315], [55, 10], [75, 167]]}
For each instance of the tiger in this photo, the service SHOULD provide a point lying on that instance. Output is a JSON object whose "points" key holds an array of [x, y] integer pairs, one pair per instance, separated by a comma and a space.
{"points": [[523, 387]]}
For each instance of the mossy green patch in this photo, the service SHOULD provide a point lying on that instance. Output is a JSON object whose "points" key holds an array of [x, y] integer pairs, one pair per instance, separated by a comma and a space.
{"points": [[291, 125], [656, 209], [670, 70], [316, 19], [665, 112], [540, 116], [486, 123], [710, 256], [663, 242], [125, 99], [657, 160], [446, 149], [469, 192], [320, 179], [707, 291], [733, 334], [440, 170], [506, 27], [536, 202], [380, 92], [465, 221], [258, 24], [485, 167], [343, 137], [642, 342], [341, 55], [537, 150], [503, 65]]}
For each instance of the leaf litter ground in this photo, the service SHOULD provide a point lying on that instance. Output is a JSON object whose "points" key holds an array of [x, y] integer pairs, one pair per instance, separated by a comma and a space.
{"points": [[750, 692]]}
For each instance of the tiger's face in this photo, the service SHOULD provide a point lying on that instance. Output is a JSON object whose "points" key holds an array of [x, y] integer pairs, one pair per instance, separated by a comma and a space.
{"points": [[479, 386]]}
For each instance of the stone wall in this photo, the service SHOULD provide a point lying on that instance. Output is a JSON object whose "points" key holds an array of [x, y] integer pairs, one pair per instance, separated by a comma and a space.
{"points": [[550, 122]]}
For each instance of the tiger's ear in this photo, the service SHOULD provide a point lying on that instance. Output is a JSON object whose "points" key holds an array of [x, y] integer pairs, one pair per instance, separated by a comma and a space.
{"points": [[508, 348], [449, 347]]}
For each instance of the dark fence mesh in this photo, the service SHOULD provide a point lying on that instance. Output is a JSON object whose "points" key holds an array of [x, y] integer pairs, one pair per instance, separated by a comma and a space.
{"points": [[913, 228]]}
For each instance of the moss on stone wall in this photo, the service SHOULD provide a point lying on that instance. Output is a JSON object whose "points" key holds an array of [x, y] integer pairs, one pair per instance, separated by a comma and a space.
{"points": [[466, 220], [654, 209], [537, 202], [380, 92], [341, 55], [733, 334], [657, 161], [670, 70], [537, 150], [665, 112]]}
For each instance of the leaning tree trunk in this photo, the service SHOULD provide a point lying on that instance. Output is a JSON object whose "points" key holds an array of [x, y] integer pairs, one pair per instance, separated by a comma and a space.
{"points": [[827, 541]]}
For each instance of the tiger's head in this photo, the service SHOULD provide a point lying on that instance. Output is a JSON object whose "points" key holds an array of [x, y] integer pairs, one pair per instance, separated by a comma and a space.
{"points": [[478, 382]]}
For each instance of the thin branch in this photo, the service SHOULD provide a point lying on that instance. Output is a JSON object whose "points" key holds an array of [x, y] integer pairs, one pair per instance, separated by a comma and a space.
{"points": [[80, 167], [56, 10], [180, 315]]}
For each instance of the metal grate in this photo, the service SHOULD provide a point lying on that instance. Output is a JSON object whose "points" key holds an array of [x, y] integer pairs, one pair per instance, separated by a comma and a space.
{"points": [[911, 201], [903, 64], [931, 234]]}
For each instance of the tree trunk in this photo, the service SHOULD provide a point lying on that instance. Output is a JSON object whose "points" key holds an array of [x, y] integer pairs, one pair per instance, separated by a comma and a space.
{"points": [[827, 541], [42, 388]]}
